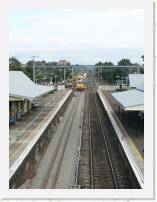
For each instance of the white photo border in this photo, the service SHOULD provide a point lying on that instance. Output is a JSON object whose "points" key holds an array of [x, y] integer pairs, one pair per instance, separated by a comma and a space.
{"points": [[148, 190]]}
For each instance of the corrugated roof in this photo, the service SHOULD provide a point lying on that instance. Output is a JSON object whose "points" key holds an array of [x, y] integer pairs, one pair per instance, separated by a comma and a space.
{"points": [[131, 99], [136, 80], [141, 87], [22, 86]]}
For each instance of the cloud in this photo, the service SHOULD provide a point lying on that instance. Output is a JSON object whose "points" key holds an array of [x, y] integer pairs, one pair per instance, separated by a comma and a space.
{"points": [[76, 31]]}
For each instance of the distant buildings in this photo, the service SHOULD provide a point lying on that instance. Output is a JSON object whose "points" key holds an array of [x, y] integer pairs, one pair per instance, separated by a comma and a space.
{"points": [[23, 65], [41, 63], [63, 63]]}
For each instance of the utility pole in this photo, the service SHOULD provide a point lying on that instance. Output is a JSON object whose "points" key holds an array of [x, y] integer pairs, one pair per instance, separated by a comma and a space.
{"points": [[45, 70], [138, 70], [55, 79], [98, 73], [64, 75], [101, 72], [72, 71], [118, 80], [34, 68]]}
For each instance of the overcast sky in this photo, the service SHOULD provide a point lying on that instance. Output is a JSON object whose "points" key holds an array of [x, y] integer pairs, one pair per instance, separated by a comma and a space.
{"points": [[80, 36]]}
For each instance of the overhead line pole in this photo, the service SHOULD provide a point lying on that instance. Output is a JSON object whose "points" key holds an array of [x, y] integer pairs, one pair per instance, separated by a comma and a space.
{"points": [[72, 72], [64, 75], [34, 68]]}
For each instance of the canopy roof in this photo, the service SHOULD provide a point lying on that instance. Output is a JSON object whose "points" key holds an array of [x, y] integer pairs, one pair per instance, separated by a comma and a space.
{"points": [[22, 86], [135, 80], [131, 100], [141, 87]]}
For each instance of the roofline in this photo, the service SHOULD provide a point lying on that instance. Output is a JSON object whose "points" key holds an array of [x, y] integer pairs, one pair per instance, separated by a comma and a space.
{"points": [[31, 98], [130, 106], [127, 108]]}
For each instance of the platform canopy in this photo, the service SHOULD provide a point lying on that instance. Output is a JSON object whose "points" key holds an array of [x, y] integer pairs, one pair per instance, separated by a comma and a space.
{"points": [[21, 86], [131, 100], [135, 80], [141, 87]]}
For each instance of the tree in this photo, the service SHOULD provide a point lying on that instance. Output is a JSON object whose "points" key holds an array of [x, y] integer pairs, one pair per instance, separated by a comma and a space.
{"points": [[28, 71], [30, 63], [108, 63], [107, 72], [142, 57], [14, 64], [51, 63], [99, 64], [124, 62]]}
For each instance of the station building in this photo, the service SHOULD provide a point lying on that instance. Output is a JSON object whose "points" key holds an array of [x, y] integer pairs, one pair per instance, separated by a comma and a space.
{"points": [[131, 104], [63, 63], [135, 80], [131, 100], [22, 93]]}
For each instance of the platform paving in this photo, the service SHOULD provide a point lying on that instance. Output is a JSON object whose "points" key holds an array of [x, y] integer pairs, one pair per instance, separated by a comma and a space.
{"points": [[23, 131]]}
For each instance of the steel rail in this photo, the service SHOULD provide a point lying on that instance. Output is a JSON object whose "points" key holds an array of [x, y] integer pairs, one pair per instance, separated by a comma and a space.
{"points": [[90, 150], [45, 182], [106, 144], [79, 150], [65, 144], [116, 125]]}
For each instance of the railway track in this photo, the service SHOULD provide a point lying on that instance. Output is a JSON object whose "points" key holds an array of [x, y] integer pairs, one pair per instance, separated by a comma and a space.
{"points": [[53, 172], [100, 165]]}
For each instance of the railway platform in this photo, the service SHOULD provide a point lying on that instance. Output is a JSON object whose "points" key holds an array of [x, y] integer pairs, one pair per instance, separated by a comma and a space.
{"points": [[131, 151], [24, 135]]}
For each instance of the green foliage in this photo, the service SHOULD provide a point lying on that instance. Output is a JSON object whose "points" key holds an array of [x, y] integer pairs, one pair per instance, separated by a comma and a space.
{"points": [[30, 63], [108, 63], [46, 70], [14, 64], [142, 57], [110, 74], [99, 64], [124, 61], [51, 63], [105, 63], [28, 71]]}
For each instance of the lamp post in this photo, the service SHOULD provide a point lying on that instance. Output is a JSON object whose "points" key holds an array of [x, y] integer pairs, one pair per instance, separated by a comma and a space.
{"points": [[64, 75], [50, 79], [101, 72], [72, 72], [33, 70], [122, 80], [98, 73], [118, 79], [44, 78], [55, 79], [127, 81]]}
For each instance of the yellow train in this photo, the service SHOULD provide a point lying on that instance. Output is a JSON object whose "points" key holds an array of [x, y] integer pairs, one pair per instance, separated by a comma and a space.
{"points": [[80, 83]]}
